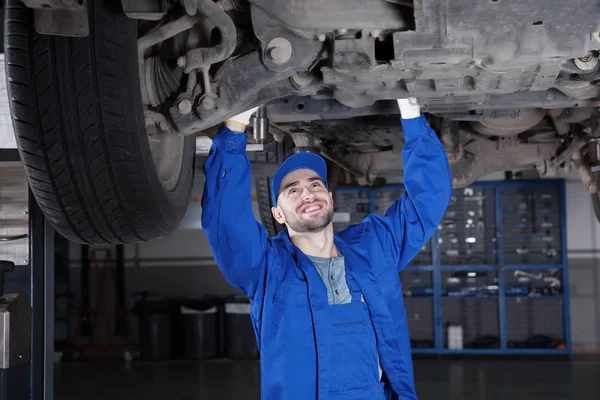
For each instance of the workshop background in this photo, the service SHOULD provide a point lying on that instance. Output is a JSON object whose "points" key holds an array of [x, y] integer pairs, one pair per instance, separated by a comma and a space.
{"points": [[181, 266]]}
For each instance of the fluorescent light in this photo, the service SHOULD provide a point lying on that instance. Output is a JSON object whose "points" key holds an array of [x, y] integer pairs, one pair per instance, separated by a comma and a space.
{"points": [[471, 274]]}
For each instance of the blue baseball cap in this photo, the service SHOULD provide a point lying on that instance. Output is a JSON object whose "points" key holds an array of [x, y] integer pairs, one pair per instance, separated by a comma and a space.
{"points": [[302, 160]]}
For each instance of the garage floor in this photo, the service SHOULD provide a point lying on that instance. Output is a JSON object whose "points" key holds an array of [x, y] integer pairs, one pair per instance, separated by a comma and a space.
{"points": [[227, 380]]}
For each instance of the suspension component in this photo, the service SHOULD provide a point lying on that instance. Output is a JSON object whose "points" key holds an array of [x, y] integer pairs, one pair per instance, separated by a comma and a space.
{"points": [[261, 125], [160, 81], [199, 58], [589, 185]]}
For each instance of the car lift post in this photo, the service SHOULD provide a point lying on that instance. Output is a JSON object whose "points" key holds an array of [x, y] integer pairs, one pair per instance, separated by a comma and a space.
{"points": [[28, 372]]}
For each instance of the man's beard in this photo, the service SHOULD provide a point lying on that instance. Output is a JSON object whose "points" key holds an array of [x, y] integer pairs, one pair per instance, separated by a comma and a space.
{"points": [[314, 225]]}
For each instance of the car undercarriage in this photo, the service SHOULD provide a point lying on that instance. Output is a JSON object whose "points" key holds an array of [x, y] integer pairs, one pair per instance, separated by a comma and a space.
{"points": [[510, 85], [507, 85]]}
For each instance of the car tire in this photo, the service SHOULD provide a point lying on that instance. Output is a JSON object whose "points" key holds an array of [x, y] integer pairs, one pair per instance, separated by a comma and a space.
{"points": [[78, 119]]}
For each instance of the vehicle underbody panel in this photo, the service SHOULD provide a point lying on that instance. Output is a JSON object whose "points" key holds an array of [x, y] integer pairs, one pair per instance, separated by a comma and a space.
{"points": [[507, 84], [463, 55]]}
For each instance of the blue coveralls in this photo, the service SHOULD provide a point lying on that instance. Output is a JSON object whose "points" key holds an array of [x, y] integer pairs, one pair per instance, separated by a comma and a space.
{"points": [[308, 352]]}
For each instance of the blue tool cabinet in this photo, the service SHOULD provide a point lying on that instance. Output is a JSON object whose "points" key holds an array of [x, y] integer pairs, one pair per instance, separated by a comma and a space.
{"points": [[495, 269]]}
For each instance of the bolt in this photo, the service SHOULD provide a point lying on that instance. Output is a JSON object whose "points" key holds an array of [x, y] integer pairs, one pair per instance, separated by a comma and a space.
{"points": [[587, 57], [279, 50], [276, 54], [184, 106], [549, 95], [303, 79], [163, 125], [342, 31], [375, 33], [207, 103], [325, 107], [592, 188], [587, 62], [322, 37], [182, 62]]}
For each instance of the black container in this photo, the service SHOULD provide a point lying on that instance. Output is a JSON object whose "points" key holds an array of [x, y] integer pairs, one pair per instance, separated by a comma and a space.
{"points": [[155, 328], [240, 340], [200, 318]]}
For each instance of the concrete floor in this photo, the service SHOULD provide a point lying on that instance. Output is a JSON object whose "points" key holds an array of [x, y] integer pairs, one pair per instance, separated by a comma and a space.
{"points": [[226, 380]]}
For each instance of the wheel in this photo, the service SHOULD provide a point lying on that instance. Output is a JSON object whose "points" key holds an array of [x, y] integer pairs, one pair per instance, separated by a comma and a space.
{"points": [[78, 119]]}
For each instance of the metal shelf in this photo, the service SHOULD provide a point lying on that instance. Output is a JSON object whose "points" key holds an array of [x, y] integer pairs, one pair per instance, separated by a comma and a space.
{"points": [[508, 296], [418, 268], [420, 350], [538, 351], [472, 351], [510, 267], [469, 267], [506, 351], [502, 210]]}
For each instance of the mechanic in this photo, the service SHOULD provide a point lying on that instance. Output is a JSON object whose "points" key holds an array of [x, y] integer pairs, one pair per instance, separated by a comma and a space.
{"points": [[327, 308]]}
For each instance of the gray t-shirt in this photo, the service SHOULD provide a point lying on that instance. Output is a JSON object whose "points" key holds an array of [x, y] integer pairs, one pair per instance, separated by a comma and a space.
{"points": [[333, 273]]}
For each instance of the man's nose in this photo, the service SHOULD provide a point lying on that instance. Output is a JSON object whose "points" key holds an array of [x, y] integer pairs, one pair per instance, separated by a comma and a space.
{"points": [[309, 195]]}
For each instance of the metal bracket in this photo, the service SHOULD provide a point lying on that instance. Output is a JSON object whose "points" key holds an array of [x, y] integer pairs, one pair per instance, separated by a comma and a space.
{"points": [[60, 17], [15, 330], [151, 10], [14, 215], [56, 4]]}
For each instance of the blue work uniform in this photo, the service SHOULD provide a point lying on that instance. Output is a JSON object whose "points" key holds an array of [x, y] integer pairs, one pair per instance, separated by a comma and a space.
{"points": [[307, 350]]}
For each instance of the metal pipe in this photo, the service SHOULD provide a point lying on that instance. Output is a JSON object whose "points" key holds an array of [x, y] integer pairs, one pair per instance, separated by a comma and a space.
{"points": [[261, 125], [451, 140], [576, 145], [339, 161], [584, 172], [13, 238], [191, 83], [167, 31], [198, 58]]}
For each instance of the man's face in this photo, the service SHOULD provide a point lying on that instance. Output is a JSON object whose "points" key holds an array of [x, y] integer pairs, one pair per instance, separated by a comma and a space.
{"points": [[304, 204]]}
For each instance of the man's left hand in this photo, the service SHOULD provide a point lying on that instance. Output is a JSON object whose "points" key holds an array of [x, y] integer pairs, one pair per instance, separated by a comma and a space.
{"points": [[409, 108]]}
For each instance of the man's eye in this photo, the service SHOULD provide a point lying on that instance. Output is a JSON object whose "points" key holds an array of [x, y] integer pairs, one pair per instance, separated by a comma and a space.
{"points": [[292, 191], [316, 184]]}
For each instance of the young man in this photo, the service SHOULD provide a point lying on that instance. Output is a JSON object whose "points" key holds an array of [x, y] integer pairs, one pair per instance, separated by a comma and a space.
{"points": [[327, 307]]}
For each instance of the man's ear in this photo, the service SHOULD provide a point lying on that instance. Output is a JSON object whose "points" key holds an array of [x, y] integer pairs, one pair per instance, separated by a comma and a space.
{"points": [[278, 215]]}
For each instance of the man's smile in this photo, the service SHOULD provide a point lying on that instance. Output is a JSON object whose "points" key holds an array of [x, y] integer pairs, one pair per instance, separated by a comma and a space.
{"points": [[311, 208]]}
